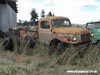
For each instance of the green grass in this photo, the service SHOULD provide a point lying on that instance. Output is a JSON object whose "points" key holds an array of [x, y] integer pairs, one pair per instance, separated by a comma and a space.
{"points": [[37, 61]]}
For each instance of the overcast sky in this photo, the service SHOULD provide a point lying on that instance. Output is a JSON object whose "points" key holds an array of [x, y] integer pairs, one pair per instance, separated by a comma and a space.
{"points": [[78, 11]]}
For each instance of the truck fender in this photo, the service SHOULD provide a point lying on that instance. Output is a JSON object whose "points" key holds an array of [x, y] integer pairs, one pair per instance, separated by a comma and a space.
{"points": [[54, 41]]}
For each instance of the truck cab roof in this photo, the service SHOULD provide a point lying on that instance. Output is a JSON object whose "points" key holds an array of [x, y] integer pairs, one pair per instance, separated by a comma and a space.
{"points": [[93, 22], [52, 17]]}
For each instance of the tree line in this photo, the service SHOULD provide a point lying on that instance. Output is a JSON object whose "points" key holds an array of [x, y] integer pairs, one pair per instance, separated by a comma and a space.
{"points": [[34, 17]]}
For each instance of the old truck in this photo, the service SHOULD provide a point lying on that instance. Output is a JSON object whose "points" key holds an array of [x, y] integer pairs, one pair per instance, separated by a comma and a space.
{"points": [[57, 32], [94, 28]]}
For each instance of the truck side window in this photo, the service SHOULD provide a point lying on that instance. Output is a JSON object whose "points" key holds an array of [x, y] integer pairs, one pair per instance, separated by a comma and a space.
{"points": [[45, 25]]}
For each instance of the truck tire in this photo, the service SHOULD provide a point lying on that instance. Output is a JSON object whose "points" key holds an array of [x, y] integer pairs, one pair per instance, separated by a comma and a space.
{"points": [[29, 42], [52, 46], [61, 47]]}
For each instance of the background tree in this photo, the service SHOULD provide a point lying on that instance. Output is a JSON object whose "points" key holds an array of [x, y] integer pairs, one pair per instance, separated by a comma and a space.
{"points": [[26, 23], [42, 13], [49, 14], [34, 15], [20, 22], [23, 23], [53, 14]]}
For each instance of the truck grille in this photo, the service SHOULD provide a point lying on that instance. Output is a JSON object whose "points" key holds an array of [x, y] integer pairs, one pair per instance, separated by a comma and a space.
{"points": [[85, 37]]}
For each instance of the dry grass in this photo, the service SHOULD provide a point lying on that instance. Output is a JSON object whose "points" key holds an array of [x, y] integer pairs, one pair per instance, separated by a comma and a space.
{"points": [[38, 62]]}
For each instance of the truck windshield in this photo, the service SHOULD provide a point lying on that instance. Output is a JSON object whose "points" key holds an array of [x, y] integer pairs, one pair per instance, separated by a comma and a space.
{"points": [[61, 23], [91, 25]]}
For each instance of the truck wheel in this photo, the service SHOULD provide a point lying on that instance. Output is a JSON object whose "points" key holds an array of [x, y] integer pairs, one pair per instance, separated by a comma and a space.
{"points": [[30, 42], [61, 47], [52, 46]]}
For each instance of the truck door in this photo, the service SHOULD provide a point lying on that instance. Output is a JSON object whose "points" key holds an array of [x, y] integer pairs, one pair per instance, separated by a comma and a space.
{"points": [[45, 32]]}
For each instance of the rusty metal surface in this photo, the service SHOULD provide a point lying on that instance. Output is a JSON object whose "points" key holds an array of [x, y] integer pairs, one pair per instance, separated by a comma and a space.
{"points": [[45, 36], [71, 30], [26, 32], [22, 32]]}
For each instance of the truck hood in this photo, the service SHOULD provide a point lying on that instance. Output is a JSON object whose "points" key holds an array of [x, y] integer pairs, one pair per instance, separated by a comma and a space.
{"points": [[71, 30]]}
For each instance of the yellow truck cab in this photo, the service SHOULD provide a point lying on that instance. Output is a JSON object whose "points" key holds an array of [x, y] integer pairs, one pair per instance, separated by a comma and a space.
{"points": [[58, 33]]}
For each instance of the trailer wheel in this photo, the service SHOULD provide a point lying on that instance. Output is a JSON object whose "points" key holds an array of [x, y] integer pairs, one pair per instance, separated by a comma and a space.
{"points": [[8, 44]]}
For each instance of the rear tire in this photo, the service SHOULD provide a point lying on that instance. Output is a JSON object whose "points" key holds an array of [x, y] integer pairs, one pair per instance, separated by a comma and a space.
{"points": [[29, 42]]}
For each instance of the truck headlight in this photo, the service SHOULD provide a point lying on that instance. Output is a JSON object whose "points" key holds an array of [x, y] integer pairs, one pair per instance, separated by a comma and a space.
{"points": [[74, 38], [92, 34]]}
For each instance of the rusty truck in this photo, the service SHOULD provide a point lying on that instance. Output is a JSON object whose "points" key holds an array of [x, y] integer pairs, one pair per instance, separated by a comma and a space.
{"points": [[57, 32]]}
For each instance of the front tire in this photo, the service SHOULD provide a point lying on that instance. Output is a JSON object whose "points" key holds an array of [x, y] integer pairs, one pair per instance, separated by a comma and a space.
{"points": [[61, 47], [52, 46]]}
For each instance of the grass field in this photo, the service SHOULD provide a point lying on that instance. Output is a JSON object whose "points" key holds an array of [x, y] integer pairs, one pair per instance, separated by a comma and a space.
{"points": [[37, 61]]}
